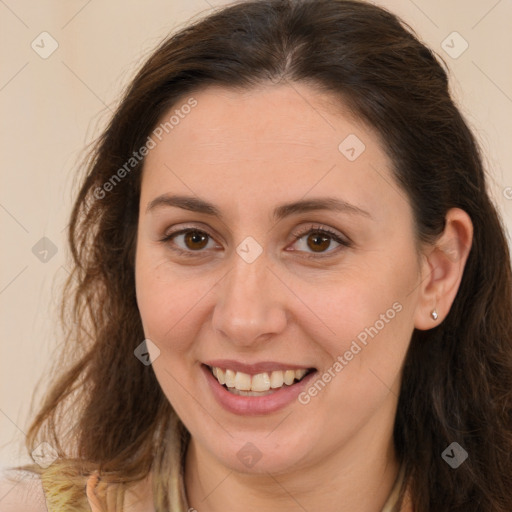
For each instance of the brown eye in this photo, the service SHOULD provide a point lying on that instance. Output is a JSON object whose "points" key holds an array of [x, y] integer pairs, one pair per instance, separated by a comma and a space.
{"points": [[195, 240], [189, 242], [318, 242]]}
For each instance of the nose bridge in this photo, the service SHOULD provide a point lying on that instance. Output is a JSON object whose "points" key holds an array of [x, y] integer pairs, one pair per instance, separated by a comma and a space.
{"points": [[248, 304]]}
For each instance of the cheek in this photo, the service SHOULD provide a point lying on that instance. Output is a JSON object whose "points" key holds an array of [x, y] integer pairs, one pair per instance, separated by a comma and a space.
{"points": [[364, 307], [369, 336], [160, 302], [370, 316], [171, 302], [163, 309], [364, 357]]}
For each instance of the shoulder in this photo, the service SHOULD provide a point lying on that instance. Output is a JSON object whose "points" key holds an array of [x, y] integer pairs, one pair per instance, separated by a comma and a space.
{"points": [[21, 491]]}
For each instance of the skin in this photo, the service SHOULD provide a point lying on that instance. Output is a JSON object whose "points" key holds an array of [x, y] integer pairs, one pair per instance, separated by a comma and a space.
{"points": [[248, 152]]}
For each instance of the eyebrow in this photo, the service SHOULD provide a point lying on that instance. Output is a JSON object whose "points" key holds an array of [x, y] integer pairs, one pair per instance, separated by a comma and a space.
{"points": [[195, 204]]}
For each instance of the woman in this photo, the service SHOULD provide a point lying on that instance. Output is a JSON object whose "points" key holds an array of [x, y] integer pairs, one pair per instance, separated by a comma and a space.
{"points": [[291, 289]]}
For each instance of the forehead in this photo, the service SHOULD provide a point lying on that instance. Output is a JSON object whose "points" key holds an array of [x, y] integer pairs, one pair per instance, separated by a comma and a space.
{"points": [[295, 115], [271, 140]]}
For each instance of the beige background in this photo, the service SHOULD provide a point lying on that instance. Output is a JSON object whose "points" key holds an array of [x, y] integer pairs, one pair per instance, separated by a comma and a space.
{"points": [[50, 108]]}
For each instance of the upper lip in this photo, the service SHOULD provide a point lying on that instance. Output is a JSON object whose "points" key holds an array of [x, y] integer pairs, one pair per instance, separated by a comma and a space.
{"points": [[254, 368]]}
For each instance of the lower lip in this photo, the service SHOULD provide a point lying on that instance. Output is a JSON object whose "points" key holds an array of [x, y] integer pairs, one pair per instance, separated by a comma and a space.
{"points": [[254, 405]]}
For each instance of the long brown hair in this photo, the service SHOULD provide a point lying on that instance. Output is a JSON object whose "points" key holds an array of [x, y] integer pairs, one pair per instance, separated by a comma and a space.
{"points": [[457, 379]]}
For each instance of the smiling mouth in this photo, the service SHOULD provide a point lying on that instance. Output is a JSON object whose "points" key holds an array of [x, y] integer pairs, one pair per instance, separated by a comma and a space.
{"points": [[261, 384]]}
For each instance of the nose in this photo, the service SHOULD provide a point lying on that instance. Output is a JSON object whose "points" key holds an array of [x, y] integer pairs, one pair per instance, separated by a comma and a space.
{"points": [[250, 303]]}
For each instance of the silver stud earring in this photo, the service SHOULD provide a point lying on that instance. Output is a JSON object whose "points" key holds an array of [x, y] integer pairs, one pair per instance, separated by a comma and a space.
{"points": [[434, 314]]}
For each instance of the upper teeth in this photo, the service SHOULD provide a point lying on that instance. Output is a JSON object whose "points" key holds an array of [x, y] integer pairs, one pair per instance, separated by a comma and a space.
{"points": [[260, 381]]}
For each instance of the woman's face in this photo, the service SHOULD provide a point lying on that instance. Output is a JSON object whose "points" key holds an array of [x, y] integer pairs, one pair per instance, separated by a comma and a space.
{"points": [[294, 250]]}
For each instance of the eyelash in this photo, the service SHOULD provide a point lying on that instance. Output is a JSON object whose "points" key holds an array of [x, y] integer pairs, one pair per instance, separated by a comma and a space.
{"points": [[296, 236]]}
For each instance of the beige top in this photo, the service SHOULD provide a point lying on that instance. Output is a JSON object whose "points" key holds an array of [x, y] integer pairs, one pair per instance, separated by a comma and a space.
{"points": [[22, 491]]}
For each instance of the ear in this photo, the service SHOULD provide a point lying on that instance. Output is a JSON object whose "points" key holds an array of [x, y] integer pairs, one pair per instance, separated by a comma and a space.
{"points": [[442, 269]]}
